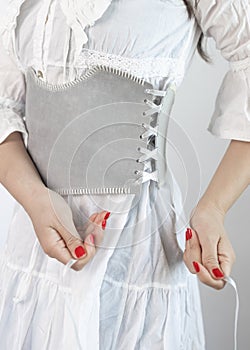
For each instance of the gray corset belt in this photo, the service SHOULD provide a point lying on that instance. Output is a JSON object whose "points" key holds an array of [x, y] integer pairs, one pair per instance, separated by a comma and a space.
{"points": [[103, 133]]}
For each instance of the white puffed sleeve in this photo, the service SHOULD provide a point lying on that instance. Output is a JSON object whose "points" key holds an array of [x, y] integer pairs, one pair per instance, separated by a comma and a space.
{"points": [[228, 23], [12, 95]]}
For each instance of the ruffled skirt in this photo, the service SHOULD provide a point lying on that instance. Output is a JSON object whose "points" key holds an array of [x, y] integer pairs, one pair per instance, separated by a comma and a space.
{"points": [[135, 293]]}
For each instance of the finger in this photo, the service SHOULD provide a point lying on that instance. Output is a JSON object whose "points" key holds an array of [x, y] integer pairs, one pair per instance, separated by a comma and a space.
{"points": [[192, 249], [104, 214], [102, 219], [99, 221], [64, 255], [227, 259], [55, 247], [210, 256], [72, 239], [89, 244], [205, 277], [93, 216], [97, 231], [88, 225]]}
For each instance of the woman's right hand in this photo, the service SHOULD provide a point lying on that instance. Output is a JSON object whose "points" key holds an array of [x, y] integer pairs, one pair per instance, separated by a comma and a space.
{"points": [[52, 220]]}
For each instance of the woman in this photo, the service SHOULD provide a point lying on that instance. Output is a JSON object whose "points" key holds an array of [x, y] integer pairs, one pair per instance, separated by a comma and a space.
{"points": [[136, 296]]}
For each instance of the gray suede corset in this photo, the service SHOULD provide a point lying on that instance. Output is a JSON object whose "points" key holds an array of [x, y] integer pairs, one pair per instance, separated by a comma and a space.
{"points": [[103, 133]]}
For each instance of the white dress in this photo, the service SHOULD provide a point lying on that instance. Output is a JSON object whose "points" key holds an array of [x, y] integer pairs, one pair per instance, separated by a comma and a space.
{"points": [[137, 294]]}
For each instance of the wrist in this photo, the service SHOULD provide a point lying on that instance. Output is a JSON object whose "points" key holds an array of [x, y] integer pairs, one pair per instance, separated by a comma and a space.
{"points": [[207, 207], [35, 194], [207, 203]]}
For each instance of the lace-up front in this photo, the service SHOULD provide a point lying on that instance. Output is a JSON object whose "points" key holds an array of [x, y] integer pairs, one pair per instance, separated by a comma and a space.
{"points": [[154, 155]]}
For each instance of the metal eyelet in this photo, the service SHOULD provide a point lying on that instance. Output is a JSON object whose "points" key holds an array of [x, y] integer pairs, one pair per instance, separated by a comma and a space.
{"points": [[39, 74], [140, 136], [143, 113], [136, 172], [139, 149]]}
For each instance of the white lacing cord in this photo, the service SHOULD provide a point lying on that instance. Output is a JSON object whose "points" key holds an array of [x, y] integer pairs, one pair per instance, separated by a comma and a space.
{"points": [[149, 132], [154, 108], [145, 176], [155, 92], [147, 154], [237, 306], [62, 274], [226, 279]]}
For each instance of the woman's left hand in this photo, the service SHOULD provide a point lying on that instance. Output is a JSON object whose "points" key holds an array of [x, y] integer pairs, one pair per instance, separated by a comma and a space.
{"points": [[208, 252]]}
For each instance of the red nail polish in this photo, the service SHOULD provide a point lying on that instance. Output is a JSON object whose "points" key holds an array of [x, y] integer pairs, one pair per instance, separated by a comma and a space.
{"points": [[107, 215], [91, 237], [217, 273], [104, 224], [80, 251], [196, 266], [188, 234]]}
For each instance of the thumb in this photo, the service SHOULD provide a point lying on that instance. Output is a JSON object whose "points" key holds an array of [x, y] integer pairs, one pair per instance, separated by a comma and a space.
{"points": [[226, 255], [210, 258], [72, 239]]}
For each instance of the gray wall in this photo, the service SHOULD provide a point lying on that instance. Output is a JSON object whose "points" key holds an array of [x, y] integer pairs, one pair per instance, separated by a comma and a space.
{"points": [[200, 153]]}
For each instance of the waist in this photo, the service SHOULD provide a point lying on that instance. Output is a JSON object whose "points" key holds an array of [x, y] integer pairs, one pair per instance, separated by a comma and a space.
{"points": [[98, 134]]}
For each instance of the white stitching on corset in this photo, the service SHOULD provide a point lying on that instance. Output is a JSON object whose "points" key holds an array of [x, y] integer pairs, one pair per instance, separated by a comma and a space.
{"points": [[141, 67]]}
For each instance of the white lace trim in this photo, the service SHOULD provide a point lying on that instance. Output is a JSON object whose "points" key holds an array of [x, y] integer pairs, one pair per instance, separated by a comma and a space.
{"points": [[148, 67]]}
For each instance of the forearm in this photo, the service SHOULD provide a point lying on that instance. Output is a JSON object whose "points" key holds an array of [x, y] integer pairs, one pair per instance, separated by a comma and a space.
{"points": [[230, 179], [17, 171]]}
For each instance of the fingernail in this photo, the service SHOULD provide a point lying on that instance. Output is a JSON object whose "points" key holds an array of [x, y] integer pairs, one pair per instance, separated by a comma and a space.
{"points": [[80, 251], [107, 215], [196, 266], [104, 224], [217, 272], [92, 239], [188, 234]]}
